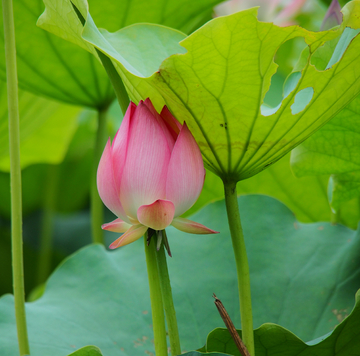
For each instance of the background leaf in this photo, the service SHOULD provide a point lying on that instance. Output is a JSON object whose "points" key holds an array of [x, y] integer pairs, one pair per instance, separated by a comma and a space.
{"points": [[334, 150], [304, 277], [46, 129], [52, 67], [306, 197]]}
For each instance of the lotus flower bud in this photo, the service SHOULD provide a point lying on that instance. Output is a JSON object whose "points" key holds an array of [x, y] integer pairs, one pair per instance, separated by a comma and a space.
{"points": [[150, 174]]}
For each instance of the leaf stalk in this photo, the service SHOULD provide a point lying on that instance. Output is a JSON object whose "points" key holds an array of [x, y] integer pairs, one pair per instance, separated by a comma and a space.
{"points": [[168, 302], [96, 205], [242, 265], [15, 177], [157, 309]]}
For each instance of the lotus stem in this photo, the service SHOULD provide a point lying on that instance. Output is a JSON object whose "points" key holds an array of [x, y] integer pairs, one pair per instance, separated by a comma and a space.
{"points": [[168, 302], [96, 205], [15, 178], [157, 309], [242, 265]]}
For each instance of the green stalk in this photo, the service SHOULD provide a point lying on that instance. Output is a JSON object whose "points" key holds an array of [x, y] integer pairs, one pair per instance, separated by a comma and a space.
{"points": [[168, 302], [157, 310], [49, 205], [96, 205], [15, 179], [242, 266]]}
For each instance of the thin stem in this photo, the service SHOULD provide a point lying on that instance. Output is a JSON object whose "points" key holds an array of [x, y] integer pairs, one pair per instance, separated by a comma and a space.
{"points": [[157, 310], [49, 205], [242, 266], [96, 205], [168, 302], [15, 179]]}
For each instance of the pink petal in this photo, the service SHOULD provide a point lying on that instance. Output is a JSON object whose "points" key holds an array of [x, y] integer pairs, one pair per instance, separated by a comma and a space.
{"points": [[173, 125], [144, 176], [186, 173], [108, 190], [133, 234], [116, 226], [119, 146], [169, 133], [191, 227], [157, 215]]}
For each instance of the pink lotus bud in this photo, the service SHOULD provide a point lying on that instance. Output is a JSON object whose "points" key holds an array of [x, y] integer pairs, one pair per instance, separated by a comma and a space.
{"points": [[151, 174]]}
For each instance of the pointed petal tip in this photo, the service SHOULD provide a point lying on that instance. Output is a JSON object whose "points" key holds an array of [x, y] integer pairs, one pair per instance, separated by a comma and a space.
{"points": [[131, 235], [192, 227], [117, 225]]}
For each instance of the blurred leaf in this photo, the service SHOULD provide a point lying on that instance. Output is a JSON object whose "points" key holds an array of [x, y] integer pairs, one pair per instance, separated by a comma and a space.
{"points": [[228, 58], [74, 171], [32, 179], [306, 197], [50, 66], [87, 351], [36, 293], [334, 150], [46, 128], [304, 277]]}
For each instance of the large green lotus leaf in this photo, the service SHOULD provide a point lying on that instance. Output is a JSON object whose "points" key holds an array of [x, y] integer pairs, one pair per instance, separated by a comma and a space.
{"points": [[56, 68], [334, 150], [46, 128], [304, 277], [219, 84], [271, 340]]}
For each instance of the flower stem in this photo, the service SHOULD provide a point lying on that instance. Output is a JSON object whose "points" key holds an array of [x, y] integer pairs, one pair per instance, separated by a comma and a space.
{"points": [[168, 302], [157, 310], [242, 266], [15, 179], [49, 204], [96, 205]]}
